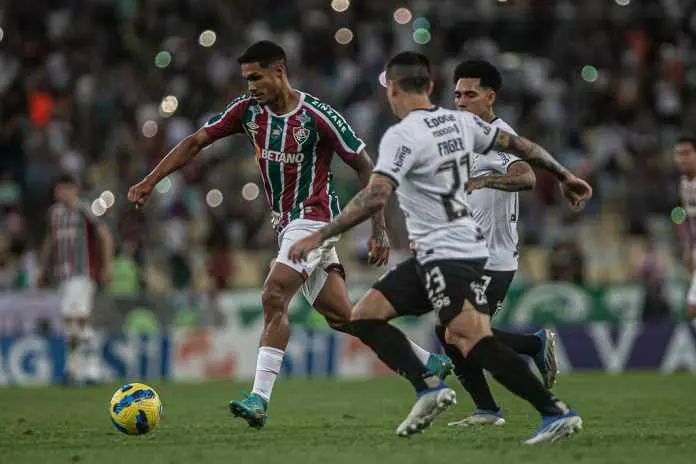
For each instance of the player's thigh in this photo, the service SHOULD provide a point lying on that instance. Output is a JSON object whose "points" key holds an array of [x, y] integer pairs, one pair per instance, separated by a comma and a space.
{"points": [[77, 297], [457, 291], [468, 327], [399, 292], [332, 301], [498, 284]]}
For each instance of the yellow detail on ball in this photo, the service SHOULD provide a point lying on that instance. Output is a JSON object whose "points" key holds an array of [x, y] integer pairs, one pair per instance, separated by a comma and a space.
{"points": [[135, 409]]}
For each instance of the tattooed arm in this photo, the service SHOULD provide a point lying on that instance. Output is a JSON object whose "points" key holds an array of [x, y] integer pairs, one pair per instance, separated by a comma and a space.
{"points": [[368, 202], [363, 166], [530, 152], [518, 177]]}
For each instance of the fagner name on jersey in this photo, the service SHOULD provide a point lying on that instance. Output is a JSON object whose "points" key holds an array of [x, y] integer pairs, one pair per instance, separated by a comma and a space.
{"points": [[433, 123], [450, 146], [282, 157]]}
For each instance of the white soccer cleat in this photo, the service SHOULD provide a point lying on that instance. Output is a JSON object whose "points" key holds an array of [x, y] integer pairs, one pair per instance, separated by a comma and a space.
{"points": [[481, 417], [427, 408], [554, 428]]}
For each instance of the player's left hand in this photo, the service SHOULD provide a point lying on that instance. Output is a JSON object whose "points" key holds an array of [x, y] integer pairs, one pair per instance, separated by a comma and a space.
{"points": [[474, 183], [378, 247], [106, 275], [299, 250], [576, 191]]}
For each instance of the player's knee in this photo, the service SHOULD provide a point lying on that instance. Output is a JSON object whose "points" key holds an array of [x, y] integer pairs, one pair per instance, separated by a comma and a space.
{"points": [[372, 306], [274, 298]]}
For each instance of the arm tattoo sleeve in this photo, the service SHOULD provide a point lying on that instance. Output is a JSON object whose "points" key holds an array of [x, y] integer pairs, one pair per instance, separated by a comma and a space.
{"points": [[368, 202], [531, 153]]}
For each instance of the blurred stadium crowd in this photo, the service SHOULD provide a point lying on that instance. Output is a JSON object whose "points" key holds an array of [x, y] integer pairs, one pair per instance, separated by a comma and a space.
{"points": [[104, 88]]}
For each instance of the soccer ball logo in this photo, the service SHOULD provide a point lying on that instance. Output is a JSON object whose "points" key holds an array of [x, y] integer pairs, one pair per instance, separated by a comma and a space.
{"points": [[135, 409]]}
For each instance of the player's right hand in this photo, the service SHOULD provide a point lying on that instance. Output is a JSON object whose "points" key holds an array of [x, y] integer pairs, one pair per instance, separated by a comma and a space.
{"points": [[576, 191], [140, 192]]}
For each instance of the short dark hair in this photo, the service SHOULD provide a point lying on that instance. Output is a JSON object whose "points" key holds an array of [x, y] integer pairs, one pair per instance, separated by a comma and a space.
{"points": [[66, 178], [483, 70], [411, 70], [687, 139], [264, 53]]}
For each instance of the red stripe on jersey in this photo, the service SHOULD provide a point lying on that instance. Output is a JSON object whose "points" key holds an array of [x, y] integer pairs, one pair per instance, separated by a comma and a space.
{"points": [[259, 143], [93, 262]]}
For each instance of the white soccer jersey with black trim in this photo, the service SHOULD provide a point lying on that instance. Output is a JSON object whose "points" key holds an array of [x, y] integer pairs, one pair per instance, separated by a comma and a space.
{"points": [[428, 155], [496, 211]]}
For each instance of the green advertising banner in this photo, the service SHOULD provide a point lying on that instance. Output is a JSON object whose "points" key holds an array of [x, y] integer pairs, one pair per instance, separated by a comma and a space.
{"points": [[538, 304]]}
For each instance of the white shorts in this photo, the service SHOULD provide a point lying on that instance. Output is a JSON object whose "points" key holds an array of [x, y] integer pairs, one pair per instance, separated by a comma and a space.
{"points": [[313, 268], [77, 296], [691, 296]]}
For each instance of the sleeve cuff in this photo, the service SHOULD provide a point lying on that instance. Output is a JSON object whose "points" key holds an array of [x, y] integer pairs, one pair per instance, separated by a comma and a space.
{"points": [[388, 176]]}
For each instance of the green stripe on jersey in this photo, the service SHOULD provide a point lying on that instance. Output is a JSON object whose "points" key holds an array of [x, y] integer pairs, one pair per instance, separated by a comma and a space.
{"points": [[275, 174], [307, 169], [337, 122], [334, 204]]}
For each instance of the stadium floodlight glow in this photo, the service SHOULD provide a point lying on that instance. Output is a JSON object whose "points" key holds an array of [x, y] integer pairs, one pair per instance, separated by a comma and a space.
{"points": [[589, 73], [340, 6], [207, 38], [402, 15], [421, 36], [622, 2], [149, 128], [678, 215], [421, 23], [164, 186], [250, 191], [98, 207], [163, 59], [168, 106], [344, 36], [108, 197], [213, 198]]}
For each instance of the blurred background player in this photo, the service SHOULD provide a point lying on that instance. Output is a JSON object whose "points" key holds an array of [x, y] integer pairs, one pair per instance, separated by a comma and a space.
{"points": [[685, 159], [425, 159], [496, 179], [294, 136], [79, 249]]}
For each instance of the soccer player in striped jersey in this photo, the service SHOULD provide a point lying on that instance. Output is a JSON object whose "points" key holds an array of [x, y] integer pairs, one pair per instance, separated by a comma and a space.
{"points": [[81, 250], [496, 179], [294, 136], [685, 159]]}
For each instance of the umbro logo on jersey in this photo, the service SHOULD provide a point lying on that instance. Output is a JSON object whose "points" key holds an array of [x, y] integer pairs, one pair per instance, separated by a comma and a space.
{"points": [[252, 127], [301, 134]]}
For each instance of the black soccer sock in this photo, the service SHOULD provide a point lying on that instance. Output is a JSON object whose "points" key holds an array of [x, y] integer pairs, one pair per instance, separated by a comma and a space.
{"points": [[510, 370], [393, 348], [469, 374], [528, 344]]}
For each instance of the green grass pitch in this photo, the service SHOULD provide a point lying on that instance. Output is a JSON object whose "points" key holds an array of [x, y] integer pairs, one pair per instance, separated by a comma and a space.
{"points": [[632, 419]]}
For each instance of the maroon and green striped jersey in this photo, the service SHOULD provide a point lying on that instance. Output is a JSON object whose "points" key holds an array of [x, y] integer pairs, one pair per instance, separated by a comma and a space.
{"points": [[73, 232], [293, 151]]}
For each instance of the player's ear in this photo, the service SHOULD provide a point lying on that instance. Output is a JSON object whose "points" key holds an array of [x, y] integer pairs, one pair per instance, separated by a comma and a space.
{"points": [[490, 96], [280, 70], [429, 89]]}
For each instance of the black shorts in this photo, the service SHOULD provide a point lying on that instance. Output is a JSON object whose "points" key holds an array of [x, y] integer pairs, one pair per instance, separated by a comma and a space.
{"points": [[443, 286], [498, 286]]}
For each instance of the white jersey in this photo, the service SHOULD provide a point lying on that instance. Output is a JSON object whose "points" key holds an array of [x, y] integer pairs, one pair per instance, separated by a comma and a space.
{"points": [[428, 156], [687, 191], [496, 211]]}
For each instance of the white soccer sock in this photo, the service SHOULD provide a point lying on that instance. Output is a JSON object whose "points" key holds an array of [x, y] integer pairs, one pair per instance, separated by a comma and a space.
{"points": [[90, 358], [267, 369], [420, 352]]}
